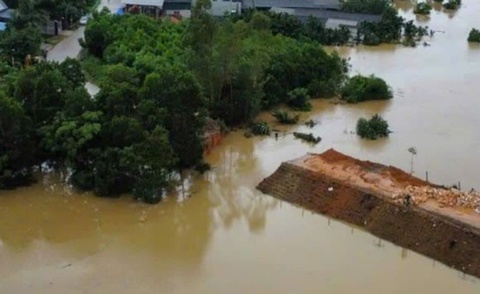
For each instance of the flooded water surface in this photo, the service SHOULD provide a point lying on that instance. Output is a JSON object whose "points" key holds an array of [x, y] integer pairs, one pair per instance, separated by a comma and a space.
{"points": [[220, 235]]}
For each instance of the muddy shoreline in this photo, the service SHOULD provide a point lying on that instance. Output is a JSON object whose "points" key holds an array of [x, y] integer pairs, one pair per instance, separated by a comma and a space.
{"points": [[362, 193]]}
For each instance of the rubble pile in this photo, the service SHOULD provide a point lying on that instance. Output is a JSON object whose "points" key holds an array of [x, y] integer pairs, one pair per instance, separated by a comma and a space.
{"points": [[446, 196]]}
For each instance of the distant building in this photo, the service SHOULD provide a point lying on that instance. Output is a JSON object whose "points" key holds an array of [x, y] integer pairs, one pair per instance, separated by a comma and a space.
{"points": [[311, 4], [222, 7], [177, 8], [149, 7], [5, 15], [332, 19]]}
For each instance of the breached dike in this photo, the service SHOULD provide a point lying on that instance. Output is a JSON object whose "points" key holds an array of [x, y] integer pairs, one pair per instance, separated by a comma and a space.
{"points": [[435, 221]]}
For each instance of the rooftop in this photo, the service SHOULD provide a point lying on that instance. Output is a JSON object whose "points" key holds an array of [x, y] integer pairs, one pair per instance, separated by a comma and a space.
{"points": [[325, 4], [3, 6], [6, 14], [158, 3], [304, 13]]}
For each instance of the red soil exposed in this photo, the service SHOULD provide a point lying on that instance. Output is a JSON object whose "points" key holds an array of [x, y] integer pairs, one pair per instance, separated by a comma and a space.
{"points": [[371, 195]]}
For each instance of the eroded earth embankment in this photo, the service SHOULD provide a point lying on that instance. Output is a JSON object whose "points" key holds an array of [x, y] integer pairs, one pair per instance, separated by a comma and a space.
{"points": [[438, 222]]}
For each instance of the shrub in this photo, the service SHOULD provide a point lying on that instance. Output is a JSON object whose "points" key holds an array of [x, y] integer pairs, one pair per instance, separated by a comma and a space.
{"points": [[422, 8], [307, 137], [474, 36], [298, 99], [360, 88], [310, 123], [452, 4], [375, 127], [260, 128], [284, 118]]}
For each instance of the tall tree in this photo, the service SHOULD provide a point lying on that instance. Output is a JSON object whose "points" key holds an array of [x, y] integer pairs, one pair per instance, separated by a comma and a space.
{"points": [[16, 146]]}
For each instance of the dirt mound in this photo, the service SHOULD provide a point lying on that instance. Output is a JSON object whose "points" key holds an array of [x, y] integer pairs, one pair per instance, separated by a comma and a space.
{"points": [[371, 195], [445, 197]]}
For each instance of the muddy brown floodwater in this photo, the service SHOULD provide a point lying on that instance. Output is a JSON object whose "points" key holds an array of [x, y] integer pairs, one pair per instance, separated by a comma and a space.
{"points": [[222, 236]]}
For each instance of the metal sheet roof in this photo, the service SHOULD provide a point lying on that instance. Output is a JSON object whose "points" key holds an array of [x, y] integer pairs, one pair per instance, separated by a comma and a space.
{"points": [[330, 4], [322, 14], [337, 23], [3, 6], [158, 3]]}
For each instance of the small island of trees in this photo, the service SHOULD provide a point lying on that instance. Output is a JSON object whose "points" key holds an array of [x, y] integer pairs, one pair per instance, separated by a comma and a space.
{"points": [[422, 8], [474, 36], [360, 88], [373, 128]]}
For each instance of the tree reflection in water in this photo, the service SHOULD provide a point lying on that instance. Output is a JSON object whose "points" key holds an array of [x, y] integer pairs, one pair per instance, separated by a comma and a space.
{"points": [[232, 187]]}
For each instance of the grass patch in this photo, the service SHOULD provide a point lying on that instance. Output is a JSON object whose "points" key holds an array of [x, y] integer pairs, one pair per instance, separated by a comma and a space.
{"points": [[93, 68]]}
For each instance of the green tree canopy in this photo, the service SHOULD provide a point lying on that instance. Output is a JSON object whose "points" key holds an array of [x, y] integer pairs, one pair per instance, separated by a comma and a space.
{"points": [[360, 88]]}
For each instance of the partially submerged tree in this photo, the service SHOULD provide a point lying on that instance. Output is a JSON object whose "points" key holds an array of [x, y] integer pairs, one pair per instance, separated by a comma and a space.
{"points": [[422, 8], [474, 36], [375, 127], [361, 88]]}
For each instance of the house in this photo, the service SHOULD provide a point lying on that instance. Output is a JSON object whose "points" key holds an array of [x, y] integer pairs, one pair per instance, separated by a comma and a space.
{"points": [[177, 8], [311, 4], [5, 15], [149, 7], [222, 7], [332, 19]]}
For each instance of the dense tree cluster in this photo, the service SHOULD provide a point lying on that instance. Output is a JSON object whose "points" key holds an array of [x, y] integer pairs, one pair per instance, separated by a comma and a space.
{"points": [[360, 88], [290, 26], [373, 128], [474, 36], [390, 29], [159, 83], [23, 35], [241, 66], [130, 138]]}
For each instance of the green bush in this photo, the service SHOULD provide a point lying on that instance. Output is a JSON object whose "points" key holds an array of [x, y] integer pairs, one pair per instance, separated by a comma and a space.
{"points": [[375, 127], [360, 88], [474, 36], [298, 99], [260, 128], [452, 4], [93, 68], [285, 118], [423, 8], [310, 123]]}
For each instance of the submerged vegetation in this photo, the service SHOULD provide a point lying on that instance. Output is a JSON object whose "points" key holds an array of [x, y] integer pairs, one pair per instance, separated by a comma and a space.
{"points": [[452, 4], [310, 138], [474, 36], [374, 128], [422, 8], [360, 88], [388, 27], [298, 99], [285, 118], [260, 128], [159, 83]]}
